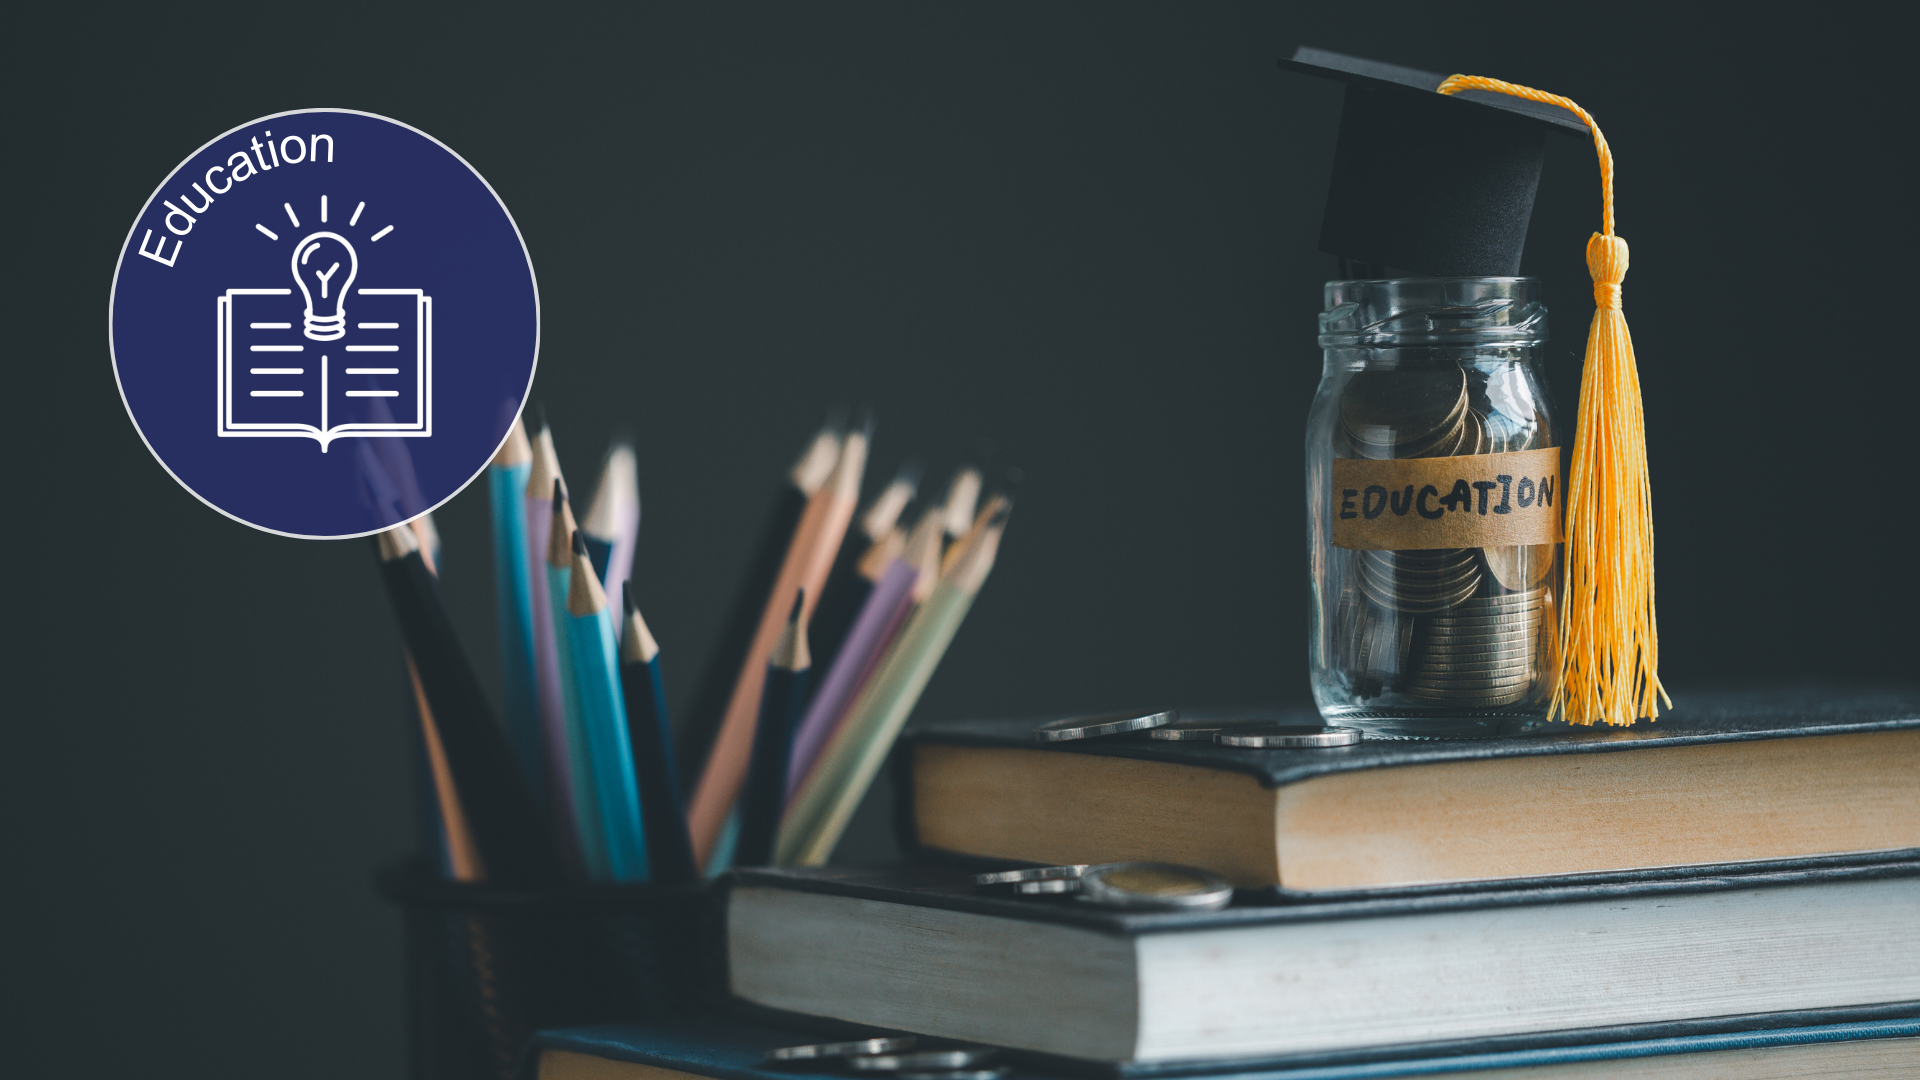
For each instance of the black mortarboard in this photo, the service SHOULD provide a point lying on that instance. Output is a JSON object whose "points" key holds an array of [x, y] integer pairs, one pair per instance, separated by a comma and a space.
{"points": [[1426, 184]]}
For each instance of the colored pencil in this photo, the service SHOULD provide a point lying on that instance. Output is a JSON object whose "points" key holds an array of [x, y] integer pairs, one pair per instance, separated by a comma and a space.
{"points": [[783, 697], [505, 821], [442, 820], [848, 585], [712, 692], [549, 694], [513, 600], [669, 851], [612, 524], [833, 789], [963, 493], [922, 553], [809, 557], [603, 719], [587, 823]]}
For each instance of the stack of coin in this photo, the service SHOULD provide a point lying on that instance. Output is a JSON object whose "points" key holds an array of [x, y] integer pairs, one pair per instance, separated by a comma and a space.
{"points": [[1369, 643], [1484, 652], [1418, 582], [1408, 414]]}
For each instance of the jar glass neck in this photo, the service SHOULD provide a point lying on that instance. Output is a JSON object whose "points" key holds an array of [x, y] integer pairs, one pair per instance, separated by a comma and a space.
{"points": [[1433, 313]]}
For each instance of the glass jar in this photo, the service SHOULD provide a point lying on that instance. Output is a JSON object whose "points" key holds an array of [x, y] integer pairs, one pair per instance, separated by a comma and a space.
{"points": [[1433, 509]]}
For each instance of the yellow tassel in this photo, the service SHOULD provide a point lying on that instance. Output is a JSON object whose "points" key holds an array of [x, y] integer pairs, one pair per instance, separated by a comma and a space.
{"points": [[1609, 637]]}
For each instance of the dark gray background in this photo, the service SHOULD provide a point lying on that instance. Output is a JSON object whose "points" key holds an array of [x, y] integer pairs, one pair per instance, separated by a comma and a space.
{"points": [[1078, 236]]}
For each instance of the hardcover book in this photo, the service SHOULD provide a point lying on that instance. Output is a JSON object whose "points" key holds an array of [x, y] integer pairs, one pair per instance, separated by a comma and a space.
{"points": [[1782, 779], [919, 949]]}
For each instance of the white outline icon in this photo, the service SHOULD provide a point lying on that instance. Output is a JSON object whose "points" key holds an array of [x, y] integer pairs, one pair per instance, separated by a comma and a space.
{"points": [[325, 321]]}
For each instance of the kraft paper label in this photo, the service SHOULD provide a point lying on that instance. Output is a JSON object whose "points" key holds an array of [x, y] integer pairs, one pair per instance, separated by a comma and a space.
{"points": [[1481, 500]]}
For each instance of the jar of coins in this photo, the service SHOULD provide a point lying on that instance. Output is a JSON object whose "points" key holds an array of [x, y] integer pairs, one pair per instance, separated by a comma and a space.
{"points": [[1434, 509]]}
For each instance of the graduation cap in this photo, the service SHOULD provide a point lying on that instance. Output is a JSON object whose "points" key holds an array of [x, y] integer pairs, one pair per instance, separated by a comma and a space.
{"points": [[1435, 177], [1428, 184]]}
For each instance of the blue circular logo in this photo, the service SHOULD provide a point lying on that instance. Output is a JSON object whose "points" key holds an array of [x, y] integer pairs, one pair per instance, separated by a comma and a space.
{"points": [[323, 323]]}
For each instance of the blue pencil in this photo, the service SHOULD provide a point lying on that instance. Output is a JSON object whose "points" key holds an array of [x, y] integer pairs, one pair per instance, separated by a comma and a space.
{"points": [[603, 716], [585, 798], [669, 848], [513, 597]]}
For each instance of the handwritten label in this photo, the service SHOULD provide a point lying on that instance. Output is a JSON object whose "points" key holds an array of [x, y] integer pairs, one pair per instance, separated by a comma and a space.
{"points": [[1481, 500]]}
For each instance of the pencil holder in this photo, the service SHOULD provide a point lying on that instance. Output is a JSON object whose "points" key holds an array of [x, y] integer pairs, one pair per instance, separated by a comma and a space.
{"points": [[488, 965]]}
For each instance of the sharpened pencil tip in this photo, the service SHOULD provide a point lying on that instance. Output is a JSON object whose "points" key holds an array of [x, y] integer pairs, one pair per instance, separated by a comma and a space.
{"points": [[909, 473], [579, 542], [559, 494], [799, 599], [865, 423], [1000, 515], [539, 417], [626, 597]]}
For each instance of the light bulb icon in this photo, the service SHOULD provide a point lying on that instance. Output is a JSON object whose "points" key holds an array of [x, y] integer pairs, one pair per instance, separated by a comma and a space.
{"points": [[324, 264]]}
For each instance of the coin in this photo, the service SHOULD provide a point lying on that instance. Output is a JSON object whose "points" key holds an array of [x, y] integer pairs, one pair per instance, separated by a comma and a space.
{"points": [[1290, 736], [1403, 406], [1199, 730], [1032, 873], [925, 1060], [1521, 567], [814, 1052], [1049, 887], [1092, 727], [1146, 885]]}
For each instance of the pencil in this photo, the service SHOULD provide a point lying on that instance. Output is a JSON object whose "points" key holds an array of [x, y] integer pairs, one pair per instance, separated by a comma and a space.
{"points": [[505, 822], [711, 693], [603, 719], [513, 599], [889, 602], [863, 557], [963, 493], [585, 797], [782, 698], [612, 524], [549, 694], [443, 821], [833, 790], [815, 542], [669, 851]]}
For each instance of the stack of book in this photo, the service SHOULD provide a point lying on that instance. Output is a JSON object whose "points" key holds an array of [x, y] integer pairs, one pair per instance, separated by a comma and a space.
{"points": [[1733, 890]]}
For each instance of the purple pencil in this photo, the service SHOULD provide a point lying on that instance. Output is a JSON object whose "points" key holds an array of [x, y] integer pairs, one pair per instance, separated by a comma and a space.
{"points": [[541, 479], [873, 628]]}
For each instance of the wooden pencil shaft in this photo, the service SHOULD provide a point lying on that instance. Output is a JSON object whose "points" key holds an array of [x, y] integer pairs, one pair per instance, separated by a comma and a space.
{"points": [[506, 824], [669, 851], [513, 601], [548, 689], [810, 556], [585, 791], [603, 720], [841, 778], [463, 862], [694, 741], [879, 622], [765, 798]]}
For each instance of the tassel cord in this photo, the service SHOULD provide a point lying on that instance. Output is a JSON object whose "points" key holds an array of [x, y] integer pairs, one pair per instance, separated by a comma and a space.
{"points": [[1609, 635]]}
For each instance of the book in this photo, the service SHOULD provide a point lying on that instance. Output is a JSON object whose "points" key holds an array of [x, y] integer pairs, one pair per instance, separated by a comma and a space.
{"points": [[1722, 780], [917, 948], [371, 377], [703, 1047]]}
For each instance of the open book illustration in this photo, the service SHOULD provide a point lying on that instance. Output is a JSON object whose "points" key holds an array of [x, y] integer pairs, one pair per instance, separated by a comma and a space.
{"points": [[325, 361]]}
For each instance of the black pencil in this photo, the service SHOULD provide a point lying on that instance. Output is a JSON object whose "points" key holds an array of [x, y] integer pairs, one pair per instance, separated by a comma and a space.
{"points": [[662, 813], [782, 702], [701, 724], [506, 825]]}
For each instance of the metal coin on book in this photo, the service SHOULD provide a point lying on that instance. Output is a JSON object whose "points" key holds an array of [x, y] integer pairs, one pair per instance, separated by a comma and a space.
{"points": [[994, 1073], [1092, 727], [1148, 885], [813, 1052], [1032, 873], [966, 1057], [1291, 736], [1200, 730]]}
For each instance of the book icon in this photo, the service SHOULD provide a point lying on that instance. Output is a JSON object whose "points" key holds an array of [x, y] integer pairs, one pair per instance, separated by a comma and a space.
{"points": [[326, 360]]}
